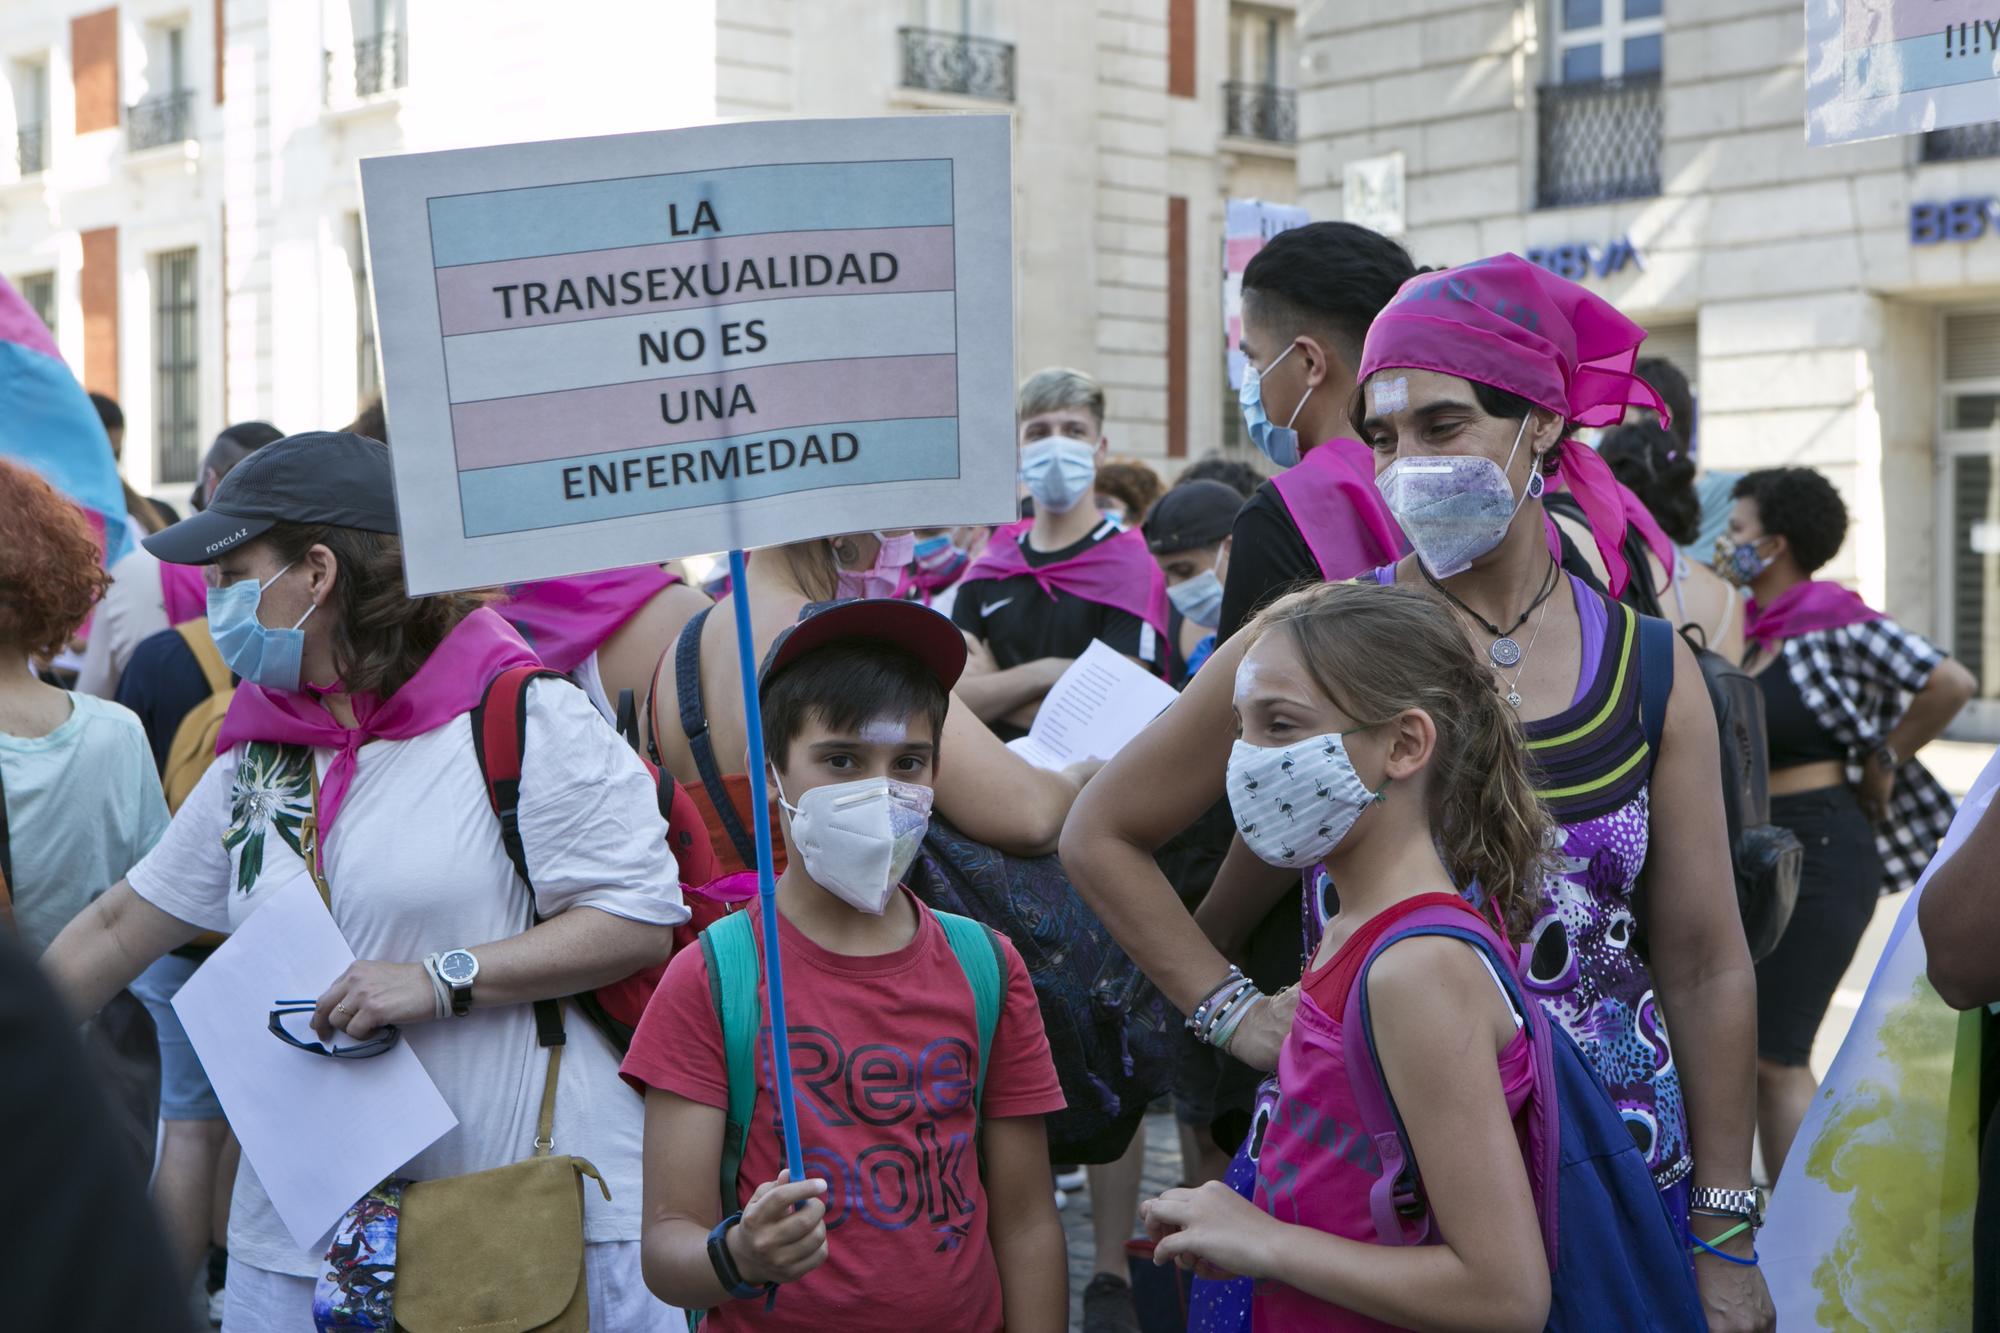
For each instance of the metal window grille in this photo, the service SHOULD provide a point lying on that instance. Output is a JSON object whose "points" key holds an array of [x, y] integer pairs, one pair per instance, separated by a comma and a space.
{"points": [[161, 119], [176, 421], [950, 62], [1599, 141], [381, 62], [1960, 143], [39, 291], [1260, 111], [31, 148], [367, 374]]}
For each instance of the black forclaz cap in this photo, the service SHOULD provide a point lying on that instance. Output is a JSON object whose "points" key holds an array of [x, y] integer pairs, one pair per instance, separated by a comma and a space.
{"points": [[320, 477]]}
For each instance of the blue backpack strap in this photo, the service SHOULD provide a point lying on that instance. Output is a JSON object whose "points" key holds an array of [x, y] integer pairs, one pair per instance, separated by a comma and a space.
{"points": [[1397, 1194], [978, 950], [694, 723], [1656, 677], [729, 953]]}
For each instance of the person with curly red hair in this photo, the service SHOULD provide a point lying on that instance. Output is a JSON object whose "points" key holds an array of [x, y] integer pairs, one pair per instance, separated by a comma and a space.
{"points": [[83, 800]]}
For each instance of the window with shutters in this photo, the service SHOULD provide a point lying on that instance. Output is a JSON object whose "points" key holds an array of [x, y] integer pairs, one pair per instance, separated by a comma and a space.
{"points": [[1969, 505], [176, 386], [1599, 117]]}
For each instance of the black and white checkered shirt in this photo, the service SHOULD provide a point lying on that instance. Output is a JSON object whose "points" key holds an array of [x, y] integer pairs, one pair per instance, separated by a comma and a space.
{"points": [[1857, 680]]}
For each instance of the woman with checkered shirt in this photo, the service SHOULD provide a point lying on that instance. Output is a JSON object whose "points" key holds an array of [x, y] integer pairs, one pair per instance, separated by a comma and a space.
{"points": [[1849, 695]]}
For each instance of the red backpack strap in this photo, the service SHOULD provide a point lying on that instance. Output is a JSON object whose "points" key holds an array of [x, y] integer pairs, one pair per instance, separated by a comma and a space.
{"points": [[499, 737]]}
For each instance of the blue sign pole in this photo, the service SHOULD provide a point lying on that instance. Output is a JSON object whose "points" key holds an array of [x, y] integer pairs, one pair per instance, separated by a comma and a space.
{"points": [[767, 889]]}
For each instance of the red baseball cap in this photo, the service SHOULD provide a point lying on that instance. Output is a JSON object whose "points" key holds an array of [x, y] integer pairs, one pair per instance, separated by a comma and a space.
{"points": [[929, 637]]}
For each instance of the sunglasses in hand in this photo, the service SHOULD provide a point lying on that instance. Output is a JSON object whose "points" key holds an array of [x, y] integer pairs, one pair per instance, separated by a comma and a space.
{"points": [[290, 1014]]}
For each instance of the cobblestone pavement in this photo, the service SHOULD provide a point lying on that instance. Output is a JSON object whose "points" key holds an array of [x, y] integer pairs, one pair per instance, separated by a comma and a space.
{"points": [[1162, 1172]]}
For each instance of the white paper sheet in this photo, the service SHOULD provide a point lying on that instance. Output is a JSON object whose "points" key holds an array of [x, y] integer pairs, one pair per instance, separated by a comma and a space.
{"points": [[320, 1133], [1101, 702]]}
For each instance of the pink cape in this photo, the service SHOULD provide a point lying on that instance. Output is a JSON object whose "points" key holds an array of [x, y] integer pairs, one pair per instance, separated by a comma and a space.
{"points": [[1118, 572], [1803, 608], [1332, 498], [450, 682], [184, 592], [566, 620]]}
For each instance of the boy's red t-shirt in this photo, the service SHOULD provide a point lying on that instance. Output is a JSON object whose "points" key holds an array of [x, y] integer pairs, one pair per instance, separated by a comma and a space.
{"points": [[884, 1057]]}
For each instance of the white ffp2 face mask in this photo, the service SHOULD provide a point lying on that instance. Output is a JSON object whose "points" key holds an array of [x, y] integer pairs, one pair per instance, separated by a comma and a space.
{"points": [[858, 838]]}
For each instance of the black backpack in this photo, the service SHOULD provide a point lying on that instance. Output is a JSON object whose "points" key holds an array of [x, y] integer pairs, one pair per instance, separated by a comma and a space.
{"points": [[1767, 859]]}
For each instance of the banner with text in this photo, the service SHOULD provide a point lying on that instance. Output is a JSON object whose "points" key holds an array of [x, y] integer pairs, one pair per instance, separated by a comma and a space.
{"points": [[1875, 68], [602, 352]]}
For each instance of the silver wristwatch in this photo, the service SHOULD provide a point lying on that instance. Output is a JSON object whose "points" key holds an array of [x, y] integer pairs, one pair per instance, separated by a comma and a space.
{"points": [[458, 969], [1746, 1204]]}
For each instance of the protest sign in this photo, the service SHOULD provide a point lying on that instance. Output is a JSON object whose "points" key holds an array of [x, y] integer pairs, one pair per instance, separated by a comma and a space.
{"points": [[603, 352], [1880, 67], [1247, 224]]}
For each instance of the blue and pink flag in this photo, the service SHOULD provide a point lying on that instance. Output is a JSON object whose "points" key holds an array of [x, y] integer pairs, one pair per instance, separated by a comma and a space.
{"points": [[47, 422]]}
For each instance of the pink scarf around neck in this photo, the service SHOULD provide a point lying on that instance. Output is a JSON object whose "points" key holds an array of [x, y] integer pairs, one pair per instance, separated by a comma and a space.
{"points": [[450, 682], [1118, 572], [566, 620], [1332, 498], [1816, 604]]}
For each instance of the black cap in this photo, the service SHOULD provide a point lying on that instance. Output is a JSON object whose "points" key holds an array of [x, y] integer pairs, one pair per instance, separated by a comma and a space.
{"points": [[1194, 513], [926, 635], [319, 477]]}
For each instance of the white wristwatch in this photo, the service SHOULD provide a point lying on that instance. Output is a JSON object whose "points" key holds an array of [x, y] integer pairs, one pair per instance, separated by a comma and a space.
{"points": [[458, 969]]}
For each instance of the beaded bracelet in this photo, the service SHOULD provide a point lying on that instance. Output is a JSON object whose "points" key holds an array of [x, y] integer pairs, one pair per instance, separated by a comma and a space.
{"points": [[1197, 1019], [1227, 1026], [1222, 1008]]}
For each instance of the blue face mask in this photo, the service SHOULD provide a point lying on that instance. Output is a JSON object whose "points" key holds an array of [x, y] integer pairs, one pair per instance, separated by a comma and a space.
{"points": [[1278, 443], [1199, 599], [256, 652], [1058, 472]]}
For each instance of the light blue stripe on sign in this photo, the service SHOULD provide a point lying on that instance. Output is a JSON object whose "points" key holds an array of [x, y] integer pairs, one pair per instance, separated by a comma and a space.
{"points": [[648, 481], [602, 215], [1916, 63]]}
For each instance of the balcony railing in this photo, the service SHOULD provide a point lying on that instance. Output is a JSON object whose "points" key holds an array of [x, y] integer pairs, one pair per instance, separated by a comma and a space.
{"points": [[1962, 142], [950, 62], [1599, 141], [1260, 111], [31, 149], [381, 62], [162, 119]]}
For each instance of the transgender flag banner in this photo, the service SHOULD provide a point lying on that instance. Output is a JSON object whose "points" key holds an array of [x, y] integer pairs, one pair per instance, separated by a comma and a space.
{"points": [[47, 422]]}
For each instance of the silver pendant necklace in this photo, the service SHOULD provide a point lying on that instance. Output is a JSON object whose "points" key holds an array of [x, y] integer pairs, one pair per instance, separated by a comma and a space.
{"points": [[1514, 685], [1504, 651]]}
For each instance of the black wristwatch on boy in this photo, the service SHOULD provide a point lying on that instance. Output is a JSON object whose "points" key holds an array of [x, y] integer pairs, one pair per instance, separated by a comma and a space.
{"points": [[725, 1263]]}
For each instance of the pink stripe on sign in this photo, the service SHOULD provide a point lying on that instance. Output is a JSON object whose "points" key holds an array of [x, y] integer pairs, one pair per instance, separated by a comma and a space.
{"points": [[501, 432], [684, 275], [1238, 251], [1873, 22]]}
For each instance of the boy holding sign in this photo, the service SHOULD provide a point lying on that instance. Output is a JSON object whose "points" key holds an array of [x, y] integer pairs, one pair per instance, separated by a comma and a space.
{"points": [[922, 1071]]}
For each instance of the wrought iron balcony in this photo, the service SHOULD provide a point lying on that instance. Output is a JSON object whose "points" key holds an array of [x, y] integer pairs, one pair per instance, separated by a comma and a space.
{"points": [[31, 149], [1960, 142], [161, 119], [1599, 141], [951, 62], [381, 62], [1260, 111]]}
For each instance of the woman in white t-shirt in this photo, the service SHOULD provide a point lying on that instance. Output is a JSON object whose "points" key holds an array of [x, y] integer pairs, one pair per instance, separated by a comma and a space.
{"points": [[352, 717]]}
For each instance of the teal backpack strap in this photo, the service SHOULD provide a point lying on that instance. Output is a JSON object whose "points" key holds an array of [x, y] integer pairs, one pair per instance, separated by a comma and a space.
{"points": [[729, 951], [978, 950]]}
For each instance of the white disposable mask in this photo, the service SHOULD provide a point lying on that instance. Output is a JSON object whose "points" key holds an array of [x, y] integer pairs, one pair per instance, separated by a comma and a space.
{"points": [[1455, 507], [1058, 472], [1294, 803], [858, 838]]}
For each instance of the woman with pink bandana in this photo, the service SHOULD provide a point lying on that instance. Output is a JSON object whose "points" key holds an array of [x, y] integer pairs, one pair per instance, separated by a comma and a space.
{"points": [[1471, 381]]}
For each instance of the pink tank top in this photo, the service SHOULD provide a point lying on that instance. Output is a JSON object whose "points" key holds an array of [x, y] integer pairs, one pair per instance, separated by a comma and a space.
{"points": [[1317, 1161]]}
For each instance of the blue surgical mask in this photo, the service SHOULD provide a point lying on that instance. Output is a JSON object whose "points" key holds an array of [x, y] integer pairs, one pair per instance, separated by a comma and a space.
{"points": [[1058, 472], [1278, 443], [255, 651], [1199, 599]]}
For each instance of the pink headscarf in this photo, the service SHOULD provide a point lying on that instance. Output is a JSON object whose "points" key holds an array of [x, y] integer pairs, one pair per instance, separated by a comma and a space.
{"points": [[1517, 327]]}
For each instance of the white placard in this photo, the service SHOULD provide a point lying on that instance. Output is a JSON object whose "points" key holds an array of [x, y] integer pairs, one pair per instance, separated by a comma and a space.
{"points": [[1880, 67], [1247, 224], [1371, 194], [1102, 701], [319, 1132], [611, 351]]}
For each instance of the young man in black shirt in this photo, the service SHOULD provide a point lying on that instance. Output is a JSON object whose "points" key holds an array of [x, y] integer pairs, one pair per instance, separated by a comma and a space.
{"points": [[1308, 298], [1041, 591]]}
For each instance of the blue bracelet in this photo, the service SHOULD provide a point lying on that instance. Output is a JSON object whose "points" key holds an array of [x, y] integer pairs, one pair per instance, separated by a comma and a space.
{"points": [[1701, 1244]]}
